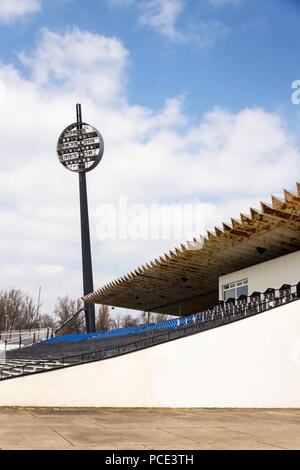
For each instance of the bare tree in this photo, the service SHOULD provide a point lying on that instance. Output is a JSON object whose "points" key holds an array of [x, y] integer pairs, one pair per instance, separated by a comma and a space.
{"points": [[47, 321], [160, 317], [149, 318], [17, 310], [104, 320], [118, 321], [64, 309], [129, 321], [146, 318]]}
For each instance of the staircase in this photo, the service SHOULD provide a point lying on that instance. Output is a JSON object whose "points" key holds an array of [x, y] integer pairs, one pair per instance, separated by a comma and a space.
{"points": [[15, 367]]}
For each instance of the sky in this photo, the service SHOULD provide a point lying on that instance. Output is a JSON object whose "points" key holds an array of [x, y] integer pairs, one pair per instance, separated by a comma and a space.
{"points": [[198, 104]]}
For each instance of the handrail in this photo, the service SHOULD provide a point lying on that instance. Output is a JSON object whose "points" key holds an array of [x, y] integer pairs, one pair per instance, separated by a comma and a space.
{"points": [[68, 321], [13, 335], [204, 319], [228, 312], [167, 323], [17, 338]]}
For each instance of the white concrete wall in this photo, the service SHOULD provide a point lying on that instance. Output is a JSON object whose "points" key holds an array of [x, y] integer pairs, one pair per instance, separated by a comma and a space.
{"points": [[273, 273], [251, 363]]}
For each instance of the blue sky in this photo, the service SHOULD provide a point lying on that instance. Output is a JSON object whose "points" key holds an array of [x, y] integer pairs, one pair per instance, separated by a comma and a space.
{"points": [[193, 98], [250, 58]]}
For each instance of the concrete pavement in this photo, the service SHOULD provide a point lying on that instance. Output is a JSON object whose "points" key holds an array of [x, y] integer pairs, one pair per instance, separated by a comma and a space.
{"points": [[148, 429]]}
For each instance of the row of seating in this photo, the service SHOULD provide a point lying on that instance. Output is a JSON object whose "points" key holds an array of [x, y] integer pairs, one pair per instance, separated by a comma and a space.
{"points": [[174, 323], [255, 303], [223, 308], [73, 337], [269, 294]]}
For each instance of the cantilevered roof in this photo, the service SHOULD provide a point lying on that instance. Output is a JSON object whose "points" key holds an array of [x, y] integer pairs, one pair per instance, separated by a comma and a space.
{"points": [[185, 280]]}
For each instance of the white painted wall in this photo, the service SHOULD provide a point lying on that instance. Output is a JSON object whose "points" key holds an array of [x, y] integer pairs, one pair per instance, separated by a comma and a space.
{"points": [[273, 273], [251, 363]]}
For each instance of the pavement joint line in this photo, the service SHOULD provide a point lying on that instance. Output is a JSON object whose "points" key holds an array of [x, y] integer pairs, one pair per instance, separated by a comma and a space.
{"points": [[282, 414], [105, 428], [100, 426], [63, 437], [33, 414], [231, 430], [145, 446], [177, 435], [153, 427], [255, 438]]}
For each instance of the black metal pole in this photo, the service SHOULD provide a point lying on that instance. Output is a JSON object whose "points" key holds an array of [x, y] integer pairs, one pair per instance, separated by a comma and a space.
{"points": [[88, 285]]}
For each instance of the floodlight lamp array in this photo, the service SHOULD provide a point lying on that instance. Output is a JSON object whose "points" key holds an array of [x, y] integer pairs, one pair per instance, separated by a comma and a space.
{"points": [[80, 147]]}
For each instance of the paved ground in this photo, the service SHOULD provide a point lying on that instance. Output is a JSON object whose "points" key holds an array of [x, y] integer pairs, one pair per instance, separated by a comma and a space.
{"points": [[152, 429]]}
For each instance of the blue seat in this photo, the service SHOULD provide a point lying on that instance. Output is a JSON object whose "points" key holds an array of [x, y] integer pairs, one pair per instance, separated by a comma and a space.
{"points": [[173, 323]]}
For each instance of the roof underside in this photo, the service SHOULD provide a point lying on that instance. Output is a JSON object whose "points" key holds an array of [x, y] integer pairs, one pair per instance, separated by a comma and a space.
{"points": [[185, 280]]}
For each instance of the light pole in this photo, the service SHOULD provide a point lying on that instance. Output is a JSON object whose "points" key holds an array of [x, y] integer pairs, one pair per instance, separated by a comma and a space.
{"points": [[39, 298], [80, 148], [6, 320]]}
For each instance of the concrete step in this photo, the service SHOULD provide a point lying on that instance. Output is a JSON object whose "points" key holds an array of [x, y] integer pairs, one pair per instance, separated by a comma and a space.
{"points": [[17, 368], [27, 362], [11, 372]]}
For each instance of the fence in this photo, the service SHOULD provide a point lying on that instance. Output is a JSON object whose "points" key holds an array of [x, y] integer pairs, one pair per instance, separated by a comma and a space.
{"points": [[14, 339]]}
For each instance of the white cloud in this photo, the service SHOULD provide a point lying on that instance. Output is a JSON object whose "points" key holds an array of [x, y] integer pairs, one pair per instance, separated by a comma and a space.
{"points": [[79, 60], [162, 15], [13, 9], [25, 271], [206, 33], [225, 162]]}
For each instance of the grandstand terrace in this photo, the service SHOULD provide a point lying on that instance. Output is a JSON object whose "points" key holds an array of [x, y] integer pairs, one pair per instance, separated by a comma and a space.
{"points": [[235, 295], [75, 349]]}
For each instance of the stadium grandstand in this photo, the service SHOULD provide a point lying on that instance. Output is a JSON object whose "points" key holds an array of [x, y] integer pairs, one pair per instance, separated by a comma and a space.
{"points": [[234, 341]]}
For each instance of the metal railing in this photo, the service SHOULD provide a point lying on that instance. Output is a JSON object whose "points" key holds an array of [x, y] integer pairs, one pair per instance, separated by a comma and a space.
{"points": [[214, 317], [14, 339], [68, 321], [218, 315]]}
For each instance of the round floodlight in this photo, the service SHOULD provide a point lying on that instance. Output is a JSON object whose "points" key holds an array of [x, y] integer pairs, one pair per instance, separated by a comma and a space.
{"points": [[80, 147]]}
